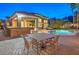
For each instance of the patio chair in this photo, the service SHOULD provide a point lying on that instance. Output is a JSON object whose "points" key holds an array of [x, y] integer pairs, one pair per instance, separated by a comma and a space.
{"points": [[41, 47], [36, 46]]}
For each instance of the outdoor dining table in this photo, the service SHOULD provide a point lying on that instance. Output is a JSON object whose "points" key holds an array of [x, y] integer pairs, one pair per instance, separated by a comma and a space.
{"points": [[39, 37]]}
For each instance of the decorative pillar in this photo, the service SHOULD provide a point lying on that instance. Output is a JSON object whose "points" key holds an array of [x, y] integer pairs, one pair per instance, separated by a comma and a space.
{"points": [[43, 24], [19, 22], [36, 25]]}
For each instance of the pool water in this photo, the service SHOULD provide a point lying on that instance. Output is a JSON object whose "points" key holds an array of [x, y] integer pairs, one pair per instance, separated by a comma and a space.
{"points": [[62, 32]]}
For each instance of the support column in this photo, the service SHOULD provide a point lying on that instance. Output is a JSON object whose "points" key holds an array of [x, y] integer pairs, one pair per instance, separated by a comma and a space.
{"points": [[19, 22], [36, 25]]}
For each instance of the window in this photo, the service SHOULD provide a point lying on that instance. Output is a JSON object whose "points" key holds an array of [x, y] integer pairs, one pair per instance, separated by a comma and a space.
{"points": [[45, 21], [39, 20], [22, 23], [14, 23], [39, 24]]}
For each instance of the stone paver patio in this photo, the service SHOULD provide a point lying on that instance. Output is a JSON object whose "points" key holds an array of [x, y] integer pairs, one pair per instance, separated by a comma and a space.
{"points": [[68, 45]]}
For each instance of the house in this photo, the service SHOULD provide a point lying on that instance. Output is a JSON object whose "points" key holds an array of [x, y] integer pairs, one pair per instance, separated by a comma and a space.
{"points": [[7, 22], [23, 23], [76, 19], [51, 21], [0, 24], [22, 19], [67, 25]]}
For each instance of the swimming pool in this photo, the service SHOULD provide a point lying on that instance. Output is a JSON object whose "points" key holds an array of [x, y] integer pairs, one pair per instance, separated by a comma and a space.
{"points": [[61, 32]]}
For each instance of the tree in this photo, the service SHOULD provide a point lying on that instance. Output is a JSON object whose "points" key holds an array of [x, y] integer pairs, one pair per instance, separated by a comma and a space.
{"points": [[0, 24], [73, 7], [58, 24], [78, 15]]}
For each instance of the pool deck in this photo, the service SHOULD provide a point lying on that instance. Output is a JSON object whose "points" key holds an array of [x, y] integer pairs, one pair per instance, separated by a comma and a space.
{"points": [[68, 45]]}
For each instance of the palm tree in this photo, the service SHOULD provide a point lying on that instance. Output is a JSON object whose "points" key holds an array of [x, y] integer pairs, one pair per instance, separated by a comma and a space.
{"points": [[78, 15], [72, 7]]}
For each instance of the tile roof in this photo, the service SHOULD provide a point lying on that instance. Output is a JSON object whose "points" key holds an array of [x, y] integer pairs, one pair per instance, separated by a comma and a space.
{"points": [[31, 13]]}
